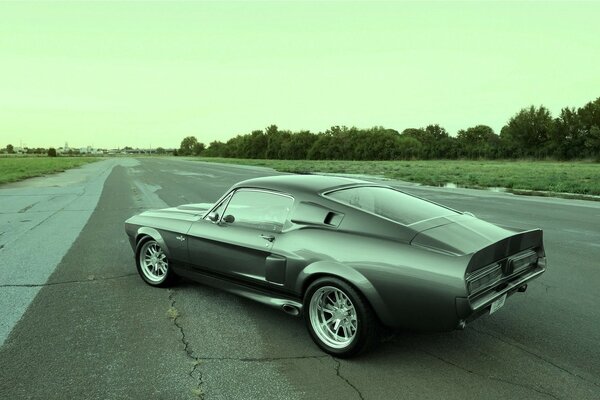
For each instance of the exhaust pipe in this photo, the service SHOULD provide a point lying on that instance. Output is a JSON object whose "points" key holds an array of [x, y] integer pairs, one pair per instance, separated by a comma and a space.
{"points": [[290, 309], [522, 288]]}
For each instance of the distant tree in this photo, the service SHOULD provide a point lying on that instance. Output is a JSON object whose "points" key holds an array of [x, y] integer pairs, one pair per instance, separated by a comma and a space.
{"points": [[298, 145], [187, 146], [175, 152], [198, 148], [253, 145], [567, 138], [277, 142], [408, 148], [589, 116], [51, 152], [532, 132], [592, 142], [435, 141], [478, 142], [215, 149], [10, 149], [160, 150], [236, 146], [528, 133], [322, 148]]}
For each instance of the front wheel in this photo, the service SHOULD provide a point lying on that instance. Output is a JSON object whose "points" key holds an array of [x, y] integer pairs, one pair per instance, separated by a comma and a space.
{"points": [[153, 264], [338, 318]]}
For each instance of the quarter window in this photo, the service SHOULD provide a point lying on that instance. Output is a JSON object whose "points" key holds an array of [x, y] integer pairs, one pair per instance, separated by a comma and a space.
{"points": [[259, 210], [391, 204]]}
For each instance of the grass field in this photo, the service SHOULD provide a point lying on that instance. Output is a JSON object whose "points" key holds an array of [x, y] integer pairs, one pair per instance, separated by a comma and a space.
{"points": [[540, 176], [14, 169]]}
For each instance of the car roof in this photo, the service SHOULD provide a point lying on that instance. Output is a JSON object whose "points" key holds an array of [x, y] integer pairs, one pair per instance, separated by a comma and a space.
{"points": [[301, 183]]}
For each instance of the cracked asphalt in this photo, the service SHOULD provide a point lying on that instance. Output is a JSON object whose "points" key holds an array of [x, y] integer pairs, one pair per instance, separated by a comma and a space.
{"points": [[80, 323]]}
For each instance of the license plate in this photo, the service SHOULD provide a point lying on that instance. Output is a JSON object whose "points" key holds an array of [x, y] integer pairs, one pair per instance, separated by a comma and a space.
{"points": [[497, 304]]}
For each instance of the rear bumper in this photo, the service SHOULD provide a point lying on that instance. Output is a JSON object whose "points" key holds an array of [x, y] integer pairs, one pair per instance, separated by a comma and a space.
{"points": [[469, 309]]}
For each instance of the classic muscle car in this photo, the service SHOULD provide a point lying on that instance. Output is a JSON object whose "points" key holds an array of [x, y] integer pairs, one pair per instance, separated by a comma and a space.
{"points": [[349, 255]]}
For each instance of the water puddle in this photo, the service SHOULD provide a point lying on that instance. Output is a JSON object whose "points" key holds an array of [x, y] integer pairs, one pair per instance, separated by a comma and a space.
{"points": [[452, 185]]}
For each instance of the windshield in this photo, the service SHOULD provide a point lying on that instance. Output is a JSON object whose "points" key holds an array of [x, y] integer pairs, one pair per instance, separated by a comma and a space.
{"points": [[389, 203]]}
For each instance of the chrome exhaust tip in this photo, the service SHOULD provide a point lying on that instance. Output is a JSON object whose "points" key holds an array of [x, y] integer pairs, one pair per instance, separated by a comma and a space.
{"points": [[522, 288], [290, 309]]}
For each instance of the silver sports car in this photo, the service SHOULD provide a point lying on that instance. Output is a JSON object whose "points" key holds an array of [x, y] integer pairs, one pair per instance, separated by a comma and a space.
{"points": [[349, 255]]}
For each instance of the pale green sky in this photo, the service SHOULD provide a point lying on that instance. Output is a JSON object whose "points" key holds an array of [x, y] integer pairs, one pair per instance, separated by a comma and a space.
{"points": [[114, 74]]}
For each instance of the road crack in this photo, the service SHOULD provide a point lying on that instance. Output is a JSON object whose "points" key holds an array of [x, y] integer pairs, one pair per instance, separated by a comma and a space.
{"points": [[490, 377], [25, 209], [174, 315], [539, 357], [260, 359], [90, 279], [338, 366], [546, 286]]}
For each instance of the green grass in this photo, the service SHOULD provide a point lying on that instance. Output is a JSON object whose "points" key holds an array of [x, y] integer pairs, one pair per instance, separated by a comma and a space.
{"points": [[13, 169], [581, 178]]}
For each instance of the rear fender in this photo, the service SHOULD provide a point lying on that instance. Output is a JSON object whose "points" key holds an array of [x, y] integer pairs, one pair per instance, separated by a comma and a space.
{"points": [[348, 274]]}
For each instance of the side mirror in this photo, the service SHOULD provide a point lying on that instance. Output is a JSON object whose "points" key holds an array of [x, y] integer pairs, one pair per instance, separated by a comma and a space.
{"points": [[228, 218], [214, 217]]}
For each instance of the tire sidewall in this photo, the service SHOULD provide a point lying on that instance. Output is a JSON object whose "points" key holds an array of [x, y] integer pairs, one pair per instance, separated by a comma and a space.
{"points": [[362, 332], [138, 254]]}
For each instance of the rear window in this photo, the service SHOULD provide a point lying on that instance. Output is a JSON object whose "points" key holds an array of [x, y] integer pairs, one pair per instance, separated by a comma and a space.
{"points": [[390, 203]]}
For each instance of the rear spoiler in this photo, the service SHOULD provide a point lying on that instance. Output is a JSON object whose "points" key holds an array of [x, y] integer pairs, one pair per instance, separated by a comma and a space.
{"points": [[507, 247]]}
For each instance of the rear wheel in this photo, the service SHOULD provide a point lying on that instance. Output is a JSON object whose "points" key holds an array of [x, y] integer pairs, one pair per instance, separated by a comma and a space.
{"points": [[153, 264], [339, 319]]}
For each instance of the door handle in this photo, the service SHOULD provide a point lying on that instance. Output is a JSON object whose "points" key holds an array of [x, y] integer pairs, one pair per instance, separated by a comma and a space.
{"points": [[270, 238]]}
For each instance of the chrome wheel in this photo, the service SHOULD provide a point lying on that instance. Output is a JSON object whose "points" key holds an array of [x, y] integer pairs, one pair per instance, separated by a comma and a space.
{"points": [[333, 317], [153, 262]]}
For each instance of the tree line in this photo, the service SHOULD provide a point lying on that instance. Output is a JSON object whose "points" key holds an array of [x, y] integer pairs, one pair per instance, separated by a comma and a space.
{"points": [[530, 133]]}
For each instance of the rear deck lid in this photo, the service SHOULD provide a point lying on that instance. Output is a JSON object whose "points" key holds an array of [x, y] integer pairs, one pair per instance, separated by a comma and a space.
{"points": [[459, 235]]}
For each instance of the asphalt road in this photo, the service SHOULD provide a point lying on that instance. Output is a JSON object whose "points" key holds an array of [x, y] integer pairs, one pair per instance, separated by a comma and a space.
{"points": [[79, 323]]}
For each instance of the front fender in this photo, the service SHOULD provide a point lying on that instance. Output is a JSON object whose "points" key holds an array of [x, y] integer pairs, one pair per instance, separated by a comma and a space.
{"points": [[349, 274], [154, 234]]}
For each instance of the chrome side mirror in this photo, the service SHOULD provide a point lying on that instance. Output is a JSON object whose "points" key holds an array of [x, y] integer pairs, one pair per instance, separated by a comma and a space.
{"points": [[213, 216]]}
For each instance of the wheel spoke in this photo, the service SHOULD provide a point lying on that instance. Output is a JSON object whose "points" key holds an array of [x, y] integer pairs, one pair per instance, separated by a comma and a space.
{"points": [[338, 300], [346, 332], [333, 317], [330, 299], [337, 325], [328, 320], [154, 263]]}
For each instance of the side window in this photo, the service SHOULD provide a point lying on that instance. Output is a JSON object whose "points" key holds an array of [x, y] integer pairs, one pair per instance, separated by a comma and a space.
{"points": [[260, 210]]}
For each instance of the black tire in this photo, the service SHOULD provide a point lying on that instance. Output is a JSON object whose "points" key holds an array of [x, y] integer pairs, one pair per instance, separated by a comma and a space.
{"points": [[153, 265], [340, 330]]}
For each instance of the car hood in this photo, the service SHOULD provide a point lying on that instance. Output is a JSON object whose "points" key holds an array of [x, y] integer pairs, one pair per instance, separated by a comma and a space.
{"points": [[459, 235]]}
